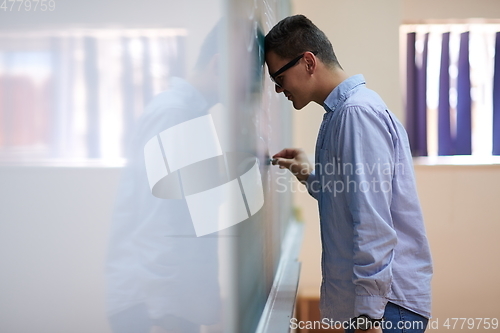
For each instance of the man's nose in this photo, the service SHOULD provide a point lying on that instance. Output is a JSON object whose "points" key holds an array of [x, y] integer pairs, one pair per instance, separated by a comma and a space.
{"points": [[278, 89]]}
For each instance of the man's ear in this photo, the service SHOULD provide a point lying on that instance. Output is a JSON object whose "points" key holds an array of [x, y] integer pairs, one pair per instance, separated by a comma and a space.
{"points": [[311, 62]]}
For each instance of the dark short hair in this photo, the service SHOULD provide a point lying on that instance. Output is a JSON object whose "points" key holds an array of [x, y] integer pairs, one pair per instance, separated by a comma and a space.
{"points": [[295, 35]]}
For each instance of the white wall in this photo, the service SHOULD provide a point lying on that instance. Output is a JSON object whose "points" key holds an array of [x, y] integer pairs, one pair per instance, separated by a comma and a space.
{"points": [[460, 203], [449, 9]]}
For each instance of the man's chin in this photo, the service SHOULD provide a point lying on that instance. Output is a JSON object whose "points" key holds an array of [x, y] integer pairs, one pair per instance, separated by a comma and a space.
{"points": [[298, 106]]}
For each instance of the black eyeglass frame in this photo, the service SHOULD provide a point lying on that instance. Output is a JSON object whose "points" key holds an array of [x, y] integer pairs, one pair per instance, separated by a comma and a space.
{"points": [[289, 65]]}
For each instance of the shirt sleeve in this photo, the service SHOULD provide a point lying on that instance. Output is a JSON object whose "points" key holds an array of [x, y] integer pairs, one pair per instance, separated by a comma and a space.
{"points": [[312, 185], [366, 145]]}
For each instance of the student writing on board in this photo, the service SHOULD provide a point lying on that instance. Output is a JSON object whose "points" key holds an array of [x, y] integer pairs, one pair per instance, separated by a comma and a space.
{"points": [[376, 261]]}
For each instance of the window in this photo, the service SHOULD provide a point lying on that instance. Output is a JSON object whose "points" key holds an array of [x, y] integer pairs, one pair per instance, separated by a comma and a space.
{"points": [[453, 88]]}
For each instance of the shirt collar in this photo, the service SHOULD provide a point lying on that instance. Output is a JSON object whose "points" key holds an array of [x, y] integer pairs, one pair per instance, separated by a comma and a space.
{"points": [[339, 94]]}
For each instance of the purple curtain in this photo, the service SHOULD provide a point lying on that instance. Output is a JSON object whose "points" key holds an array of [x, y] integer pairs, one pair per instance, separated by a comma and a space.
{"points": [[496, 98], [411, 88], [421, 116], [463, 143], [445, 141], [416, 97]]}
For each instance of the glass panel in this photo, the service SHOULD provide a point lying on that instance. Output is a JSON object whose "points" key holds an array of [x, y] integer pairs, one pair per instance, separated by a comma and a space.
{"points": [[137, 193]]}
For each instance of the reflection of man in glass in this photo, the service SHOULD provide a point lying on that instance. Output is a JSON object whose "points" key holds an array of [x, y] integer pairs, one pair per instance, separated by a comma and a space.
{"points": [[161, 277]]}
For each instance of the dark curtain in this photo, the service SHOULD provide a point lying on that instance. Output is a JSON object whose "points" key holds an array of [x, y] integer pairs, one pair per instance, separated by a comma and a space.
{"points": [[411, 92], [496, 98], [463, 143], [445, 141], [421, 148], [416, 96]]}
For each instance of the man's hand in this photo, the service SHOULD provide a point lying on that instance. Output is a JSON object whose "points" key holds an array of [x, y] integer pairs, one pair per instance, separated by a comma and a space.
{"points": [[294, 160]]}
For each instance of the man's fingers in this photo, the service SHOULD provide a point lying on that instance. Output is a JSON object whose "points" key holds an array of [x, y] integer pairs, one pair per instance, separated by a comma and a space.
{"points": [[285, 163], [287, 153], [293, 166], [298, 166]]}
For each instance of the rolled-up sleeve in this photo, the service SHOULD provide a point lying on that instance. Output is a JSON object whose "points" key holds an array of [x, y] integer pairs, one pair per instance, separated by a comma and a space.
{"points": [[366, 144]]}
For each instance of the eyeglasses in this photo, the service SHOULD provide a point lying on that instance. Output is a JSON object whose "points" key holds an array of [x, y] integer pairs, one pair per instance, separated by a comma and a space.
{"points": [[293, 62]]}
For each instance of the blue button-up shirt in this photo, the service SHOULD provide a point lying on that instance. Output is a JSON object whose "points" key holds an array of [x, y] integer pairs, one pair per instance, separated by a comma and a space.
{"points": [[375, 248]]}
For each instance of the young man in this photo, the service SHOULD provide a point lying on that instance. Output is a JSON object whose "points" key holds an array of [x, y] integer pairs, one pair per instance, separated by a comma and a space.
{"points": [[376, 261]]}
